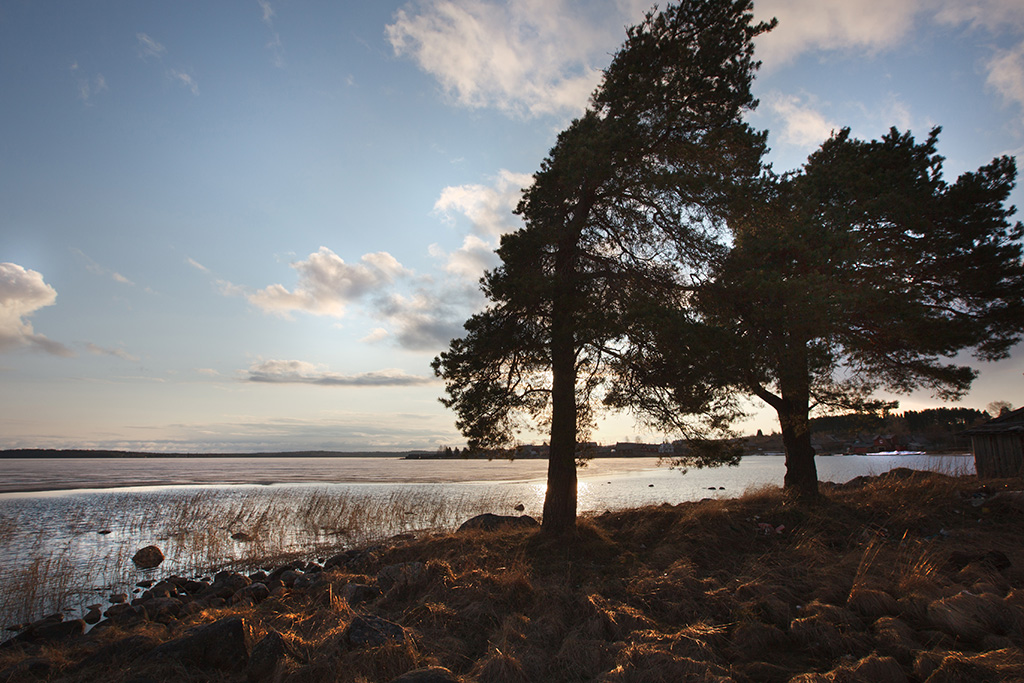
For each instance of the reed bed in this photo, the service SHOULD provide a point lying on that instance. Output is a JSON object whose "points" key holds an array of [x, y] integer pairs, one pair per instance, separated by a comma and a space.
{"points": [[63, 554]]}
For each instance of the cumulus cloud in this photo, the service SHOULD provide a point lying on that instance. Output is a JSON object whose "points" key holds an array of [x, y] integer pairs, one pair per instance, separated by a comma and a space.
{"points": [[527, 58], [301, 372], [429, 319], [803, 125], [376, 334], [488, 209], [327, 284], [866, 25], [22, 293]]}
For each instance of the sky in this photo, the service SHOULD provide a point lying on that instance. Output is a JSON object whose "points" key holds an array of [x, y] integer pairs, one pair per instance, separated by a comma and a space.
{"points": [[250, 225]]}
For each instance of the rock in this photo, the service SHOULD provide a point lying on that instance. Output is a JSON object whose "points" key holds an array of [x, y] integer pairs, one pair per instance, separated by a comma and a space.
{"points": [[241, 536], [93, 615], [220, 645], [148, 557], [519, 507], [370, 631], [118, 598], [289, 576], [490, 522], [431, 674], [226, 584], [266, 656], [51, 629], [256, 592], [163, 610], [124, 613], [356, 593], [120, 652], [402, 574]]}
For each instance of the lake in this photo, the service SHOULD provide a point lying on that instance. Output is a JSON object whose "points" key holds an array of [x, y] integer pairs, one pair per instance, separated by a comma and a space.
{"points": [[70, 526]]}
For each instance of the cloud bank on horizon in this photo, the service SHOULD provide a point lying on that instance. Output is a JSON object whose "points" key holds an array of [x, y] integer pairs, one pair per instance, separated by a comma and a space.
{"points": [[360, 273]]}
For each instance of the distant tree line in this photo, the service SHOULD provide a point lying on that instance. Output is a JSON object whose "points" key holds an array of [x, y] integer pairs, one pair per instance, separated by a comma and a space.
{"points": [[928, 421]]}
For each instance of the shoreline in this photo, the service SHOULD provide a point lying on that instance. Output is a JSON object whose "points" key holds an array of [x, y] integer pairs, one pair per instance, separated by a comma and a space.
{"points": [[899, 576]]}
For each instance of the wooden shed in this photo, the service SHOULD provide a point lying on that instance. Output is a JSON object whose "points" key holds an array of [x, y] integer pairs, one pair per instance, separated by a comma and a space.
{"points": [[998, 446]]}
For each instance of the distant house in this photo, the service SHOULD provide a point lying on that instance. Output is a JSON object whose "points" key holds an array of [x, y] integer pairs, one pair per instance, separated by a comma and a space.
{"points": [[998, 446], [886, 442]]}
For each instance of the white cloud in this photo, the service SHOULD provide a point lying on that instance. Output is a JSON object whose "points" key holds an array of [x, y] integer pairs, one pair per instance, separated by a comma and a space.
{"points": [[274, 44], [803, 125], [208, 371], [185, 79], [22, 293], [149, 47], [376, 334], [115, 352], [268, 12], [865, 25], [527, 58], [993, 15], [471, 259], [1006, 74], [488, 207], [88, 88], [327, 284], [301, 372], [96, 269], [197, 265]]}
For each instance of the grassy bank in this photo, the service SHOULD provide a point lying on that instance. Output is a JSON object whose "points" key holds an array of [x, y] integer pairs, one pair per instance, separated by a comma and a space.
{"points": [[903, 577]]}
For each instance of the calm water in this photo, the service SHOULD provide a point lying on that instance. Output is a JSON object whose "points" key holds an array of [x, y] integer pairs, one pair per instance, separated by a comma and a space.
{"points": [[75, 523]]}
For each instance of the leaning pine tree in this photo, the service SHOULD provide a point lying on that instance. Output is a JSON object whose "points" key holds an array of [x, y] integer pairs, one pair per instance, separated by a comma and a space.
{"points": [[630, 187]]}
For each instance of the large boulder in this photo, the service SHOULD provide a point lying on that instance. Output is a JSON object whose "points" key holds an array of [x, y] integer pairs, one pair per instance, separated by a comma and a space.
{"points": [[148, 557], [490, 522]]}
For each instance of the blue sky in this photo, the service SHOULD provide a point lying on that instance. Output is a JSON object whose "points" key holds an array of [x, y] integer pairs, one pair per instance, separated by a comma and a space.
{"points": [[250, 225]]}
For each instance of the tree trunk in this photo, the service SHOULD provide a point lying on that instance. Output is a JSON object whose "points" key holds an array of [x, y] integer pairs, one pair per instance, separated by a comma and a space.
{"points": [[560, 498], [794, 408], [801, 473]]}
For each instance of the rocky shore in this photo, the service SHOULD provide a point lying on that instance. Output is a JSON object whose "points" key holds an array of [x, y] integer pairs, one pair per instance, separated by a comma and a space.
{"points": [[903, 577]]}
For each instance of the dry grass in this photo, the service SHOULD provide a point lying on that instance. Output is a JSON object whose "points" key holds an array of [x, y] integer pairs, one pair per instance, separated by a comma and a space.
{"points": [[860, 587]]}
